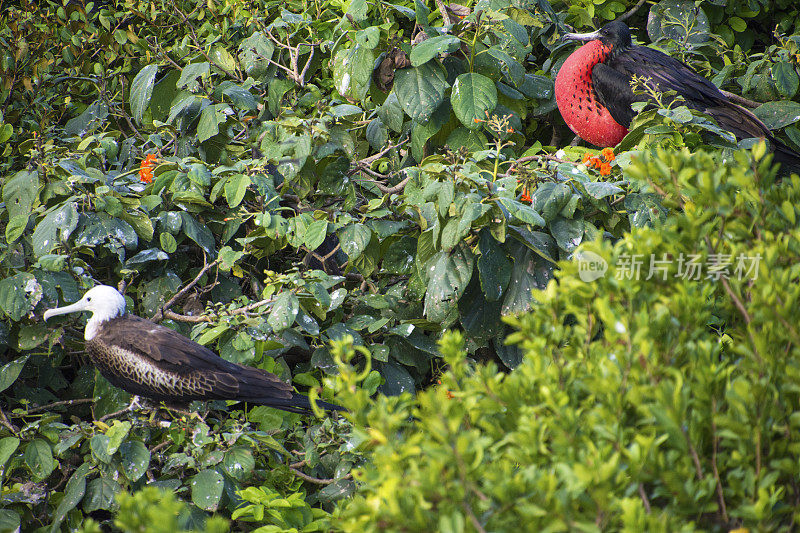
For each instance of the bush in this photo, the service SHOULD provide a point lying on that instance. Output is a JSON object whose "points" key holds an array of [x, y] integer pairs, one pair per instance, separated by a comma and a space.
{"points": [[641, 405]]}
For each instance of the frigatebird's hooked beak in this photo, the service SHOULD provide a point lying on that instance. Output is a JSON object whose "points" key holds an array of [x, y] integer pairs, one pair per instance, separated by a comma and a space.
{"points": [[78, 306], [591, 36]]}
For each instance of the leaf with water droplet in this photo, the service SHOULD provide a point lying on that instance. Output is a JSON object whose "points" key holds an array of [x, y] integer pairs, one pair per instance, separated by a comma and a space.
{"points": [[207, 487], [135, 459]]}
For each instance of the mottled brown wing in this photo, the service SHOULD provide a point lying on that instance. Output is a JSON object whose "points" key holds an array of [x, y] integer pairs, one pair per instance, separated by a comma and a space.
{"points": [[172, 352]]}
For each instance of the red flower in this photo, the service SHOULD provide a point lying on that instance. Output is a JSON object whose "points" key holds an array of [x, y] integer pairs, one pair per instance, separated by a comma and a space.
{"points": [[146, 168]]}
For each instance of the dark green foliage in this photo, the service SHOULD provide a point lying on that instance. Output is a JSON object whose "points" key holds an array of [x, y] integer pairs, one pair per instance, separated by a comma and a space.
{"points": [[641, 404], [250, 153]]}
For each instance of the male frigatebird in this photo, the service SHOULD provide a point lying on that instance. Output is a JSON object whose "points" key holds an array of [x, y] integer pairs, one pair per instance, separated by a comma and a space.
{"points": [[156, 362], [594, 93]]}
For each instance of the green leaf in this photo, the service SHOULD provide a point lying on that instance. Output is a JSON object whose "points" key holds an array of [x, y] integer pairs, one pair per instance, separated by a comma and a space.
{"points": [[9, 372], [99, 228], [191, 73], [228, 257], [428, 49], [479, 316], [239, 463], [31, 336], [449, 275], [135, 459], [142, 90], [494, 267], [522, 212], [8, 445], [537, 86], [549, 198], [9, 520], [786, 79], [601, 189], [19, 193], [474, 95], [210, 119], [399, 258], [284, 311], [88, 121], [679, 20], [168, 243], [238, 95], [16, 227], [73, 494], [568, 233], [511, 68], [391, 113], [354, 239], [207, 487], [100, 493], [116, 434], [221, 57], [420, 90], [55, 228], [352, 71], [778, 114], [530, 271], [369, 37], [315, 234], [18, 295], [39, 458], [199, 234], [377, 134], [235, 189]]}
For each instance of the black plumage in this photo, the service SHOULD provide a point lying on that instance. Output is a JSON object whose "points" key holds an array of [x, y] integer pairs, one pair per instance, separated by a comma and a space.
{"points": [[618, 61], [156, 362]]}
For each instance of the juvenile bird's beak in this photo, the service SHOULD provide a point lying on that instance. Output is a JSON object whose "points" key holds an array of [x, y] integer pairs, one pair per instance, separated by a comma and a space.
{"points": [[581, 36], [80, 305]]}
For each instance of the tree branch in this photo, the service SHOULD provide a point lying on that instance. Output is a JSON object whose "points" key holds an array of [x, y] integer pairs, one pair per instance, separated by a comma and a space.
{"points": [[159, 316]]}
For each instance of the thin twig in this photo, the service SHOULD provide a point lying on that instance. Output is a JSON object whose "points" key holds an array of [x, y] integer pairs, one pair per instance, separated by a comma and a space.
{"points": [[56, 404], [628, 14], [374, 157], [698, 468], [315, 480], [645, 499], [717, 480], [206, 266], [210, 318], [7, 423], [391, 190], [740, 100], [158, 447]]}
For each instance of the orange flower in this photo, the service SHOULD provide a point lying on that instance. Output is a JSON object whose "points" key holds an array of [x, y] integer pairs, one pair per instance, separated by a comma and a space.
{"points": [[608, 153], [146, 168], [605, 169], [510, 130], [586, 157], [525, 197], [145, 174]]}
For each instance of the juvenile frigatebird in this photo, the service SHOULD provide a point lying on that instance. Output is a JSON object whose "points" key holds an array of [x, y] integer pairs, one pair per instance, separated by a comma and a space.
{"points": [[153, 361], [594, 93]]}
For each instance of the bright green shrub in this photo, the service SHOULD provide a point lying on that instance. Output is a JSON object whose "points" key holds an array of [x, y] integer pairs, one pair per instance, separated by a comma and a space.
{"points": [[641, 405], [156, 511]]}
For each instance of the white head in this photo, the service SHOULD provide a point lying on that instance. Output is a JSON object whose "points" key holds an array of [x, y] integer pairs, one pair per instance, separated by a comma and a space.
{"points": [[103, 302]]}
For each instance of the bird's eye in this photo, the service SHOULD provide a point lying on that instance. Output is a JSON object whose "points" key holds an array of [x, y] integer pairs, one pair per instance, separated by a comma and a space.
{"points": [[89, 299]]}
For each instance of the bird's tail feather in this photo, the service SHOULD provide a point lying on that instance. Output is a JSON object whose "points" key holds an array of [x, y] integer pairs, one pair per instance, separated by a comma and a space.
{"points": [[297, 404], [788, 158]]}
